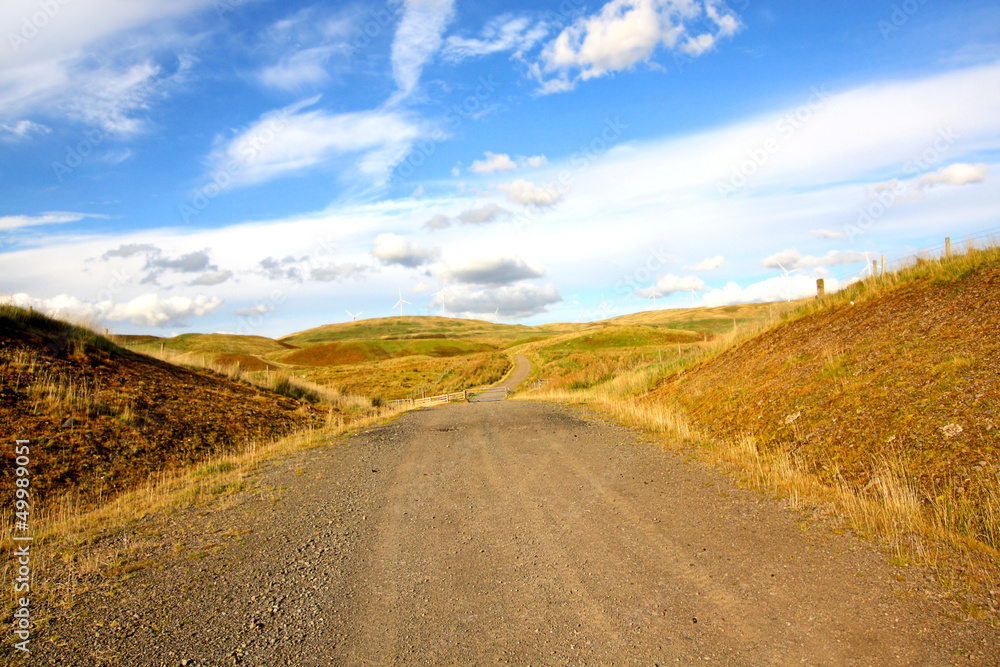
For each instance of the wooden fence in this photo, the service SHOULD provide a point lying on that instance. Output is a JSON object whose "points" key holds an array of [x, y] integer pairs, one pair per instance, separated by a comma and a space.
{"points": [[469, 395]]}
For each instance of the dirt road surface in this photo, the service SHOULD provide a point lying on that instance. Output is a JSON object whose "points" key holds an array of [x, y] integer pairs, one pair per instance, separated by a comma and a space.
{"points": [[520, 372], [505, 533]]}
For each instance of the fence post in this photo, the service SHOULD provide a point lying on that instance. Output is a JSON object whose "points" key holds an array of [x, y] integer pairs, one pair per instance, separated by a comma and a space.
{"points": [[883, 266], [874, 268], [820, 288], [947, 247]]}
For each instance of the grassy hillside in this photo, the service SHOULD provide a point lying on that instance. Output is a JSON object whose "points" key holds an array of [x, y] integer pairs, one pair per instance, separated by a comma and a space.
{"points": [[887, 408], [101, 418]]}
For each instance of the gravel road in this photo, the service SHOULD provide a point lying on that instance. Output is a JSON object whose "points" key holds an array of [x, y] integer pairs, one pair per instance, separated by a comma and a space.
{"points": [[513, 533], [520, 372]]}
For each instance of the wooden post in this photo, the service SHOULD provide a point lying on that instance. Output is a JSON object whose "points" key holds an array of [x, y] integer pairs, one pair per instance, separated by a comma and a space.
{"points": [[883, 266], [874, 268], [820, 288], [947, 247]]}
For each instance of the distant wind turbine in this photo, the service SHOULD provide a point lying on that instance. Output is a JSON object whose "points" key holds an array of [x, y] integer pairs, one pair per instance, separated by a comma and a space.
{"points": [[655, 294], [354, 316], [693, 291], [401, 302], [496, 316], [788, 294], [444, 305]]}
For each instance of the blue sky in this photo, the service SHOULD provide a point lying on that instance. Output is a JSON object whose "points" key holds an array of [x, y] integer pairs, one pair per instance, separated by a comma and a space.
{"points": [[261, 167]]}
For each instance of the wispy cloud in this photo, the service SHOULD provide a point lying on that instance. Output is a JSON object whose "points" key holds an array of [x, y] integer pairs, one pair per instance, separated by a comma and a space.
{"points": [[298, 137], [503, 33], [81, 67], [418, 38], [21, 130], [10, 222]]}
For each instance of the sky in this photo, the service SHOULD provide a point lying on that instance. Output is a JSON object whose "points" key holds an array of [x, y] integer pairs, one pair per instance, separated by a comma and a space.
{"points": [[263, 167]]}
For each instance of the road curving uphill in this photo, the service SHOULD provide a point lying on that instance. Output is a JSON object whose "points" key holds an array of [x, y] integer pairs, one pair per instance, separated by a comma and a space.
{"points": [[512, 532]]}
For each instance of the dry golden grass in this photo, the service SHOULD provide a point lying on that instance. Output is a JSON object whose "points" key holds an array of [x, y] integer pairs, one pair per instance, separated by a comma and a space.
{"points": [[280, 382], [949, 525]]}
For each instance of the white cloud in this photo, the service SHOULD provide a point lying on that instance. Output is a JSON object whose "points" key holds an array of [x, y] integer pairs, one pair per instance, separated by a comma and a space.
{"points": [[492, 271], [626, 32], [772, 289], [212, 278], [493, 163], [418, 38], [293, 139], [394, 249], [146, 310], [671, 284], [956, 174], [151, 310], [791, 259], [9, 222], [529, 194], [503, 33], [512, 301], [709, 264]]}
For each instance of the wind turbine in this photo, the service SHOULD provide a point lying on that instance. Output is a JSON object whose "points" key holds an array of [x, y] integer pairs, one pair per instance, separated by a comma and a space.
{"points": [[401, 302], [496, 318], [444, 304], [354, 316], [788, 295], [655, 294], [693, 291]]}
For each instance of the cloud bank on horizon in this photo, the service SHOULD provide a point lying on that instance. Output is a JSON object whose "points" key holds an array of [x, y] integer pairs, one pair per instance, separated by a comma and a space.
{"points": [[264, 167]]}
